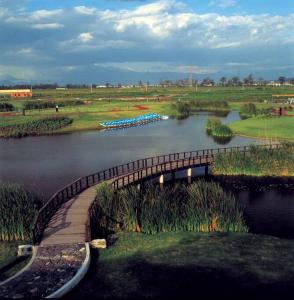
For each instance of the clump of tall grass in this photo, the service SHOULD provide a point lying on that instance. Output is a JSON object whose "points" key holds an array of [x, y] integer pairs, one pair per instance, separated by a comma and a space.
{"points": [[17, 211], [222, 131], [215, 128], [259, 161], [212, 122], [35, 127], [202, 207]]}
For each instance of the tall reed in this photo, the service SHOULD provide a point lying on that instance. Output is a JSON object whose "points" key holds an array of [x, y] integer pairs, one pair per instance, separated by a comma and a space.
{"points": [[17, 211], [202, 207], [257, 162]]}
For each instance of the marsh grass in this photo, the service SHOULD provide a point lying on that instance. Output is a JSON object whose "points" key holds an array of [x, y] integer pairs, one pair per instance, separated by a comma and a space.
{"points": [[222, 131], [257, 162], [17, 208], [215, 128], [201, 207], [35, 127]]}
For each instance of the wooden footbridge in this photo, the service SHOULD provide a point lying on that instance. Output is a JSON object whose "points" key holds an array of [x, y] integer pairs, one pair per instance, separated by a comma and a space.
{"points": [[65, 215], [62, 226]]}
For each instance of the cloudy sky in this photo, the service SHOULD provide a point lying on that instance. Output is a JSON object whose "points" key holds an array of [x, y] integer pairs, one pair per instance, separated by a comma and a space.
{"points": [[71, 41]]}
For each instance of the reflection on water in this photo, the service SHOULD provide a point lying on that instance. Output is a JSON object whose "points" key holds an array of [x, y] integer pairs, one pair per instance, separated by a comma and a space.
{"points": [[47, 163]]}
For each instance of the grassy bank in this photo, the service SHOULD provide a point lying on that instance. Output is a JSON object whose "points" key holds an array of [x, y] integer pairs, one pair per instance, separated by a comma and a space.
{"points": [[257, 162], [9, 263], [202, 207], [269, 127], [182, 264]]}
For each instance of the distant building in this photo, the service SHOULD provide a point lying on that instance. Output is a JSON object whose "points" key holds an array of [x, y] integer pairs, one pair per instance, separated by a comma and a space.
{"points": [[19, 93]]}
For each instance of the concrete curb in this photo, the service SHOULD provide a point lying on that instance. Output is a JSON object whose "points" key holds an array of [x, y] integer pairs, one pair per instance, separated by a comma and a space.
{"points": [[35, 250], [76, 279]]}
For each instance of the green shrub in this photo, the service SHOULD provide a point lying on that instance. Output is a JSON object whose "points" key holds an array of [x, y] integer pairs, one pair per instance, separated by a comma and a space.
{"points": [[202, 206], [182, 109], [5, 106], [36, 127], [17, 208], [248, 109]]}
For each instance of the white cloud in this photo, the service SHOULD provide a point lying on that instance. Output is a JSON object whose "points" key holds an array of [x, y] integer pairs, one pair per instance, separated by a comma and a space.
{"points": [[85, 37], [157, 67], [85, 10], [47, 26], [43, 14], [25, 51], [223, 3]]}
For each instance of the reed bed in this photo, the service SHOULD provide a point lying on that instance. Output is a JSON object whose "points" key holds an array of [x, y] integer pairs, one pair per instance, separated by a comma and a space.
{"points": [[215, 128], [35, 127], [222, 131], [257, 162], [17, 208], [200, 207]]}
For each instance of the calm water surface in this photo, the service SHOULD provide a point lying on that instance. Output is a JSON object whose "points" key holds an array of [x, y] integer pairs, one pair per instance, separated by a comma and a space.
{"points": [[46, 163]]}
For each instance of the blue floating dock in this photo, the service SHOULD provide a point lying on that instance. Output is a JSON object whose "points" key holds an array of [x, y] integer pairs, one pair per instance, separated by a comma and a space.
{"points": [[143, 119]]}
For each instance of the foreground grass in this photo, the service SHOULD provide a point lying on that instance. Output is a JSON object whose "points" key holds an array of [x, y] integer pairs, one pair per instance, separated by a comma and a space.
{"points": [[271, 127], [186, 263]]}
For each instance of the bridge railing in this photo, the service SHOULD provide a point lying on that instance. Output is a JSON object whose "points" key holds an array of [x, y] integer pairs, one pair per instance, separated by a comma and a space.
{"points": [[75, 188]]}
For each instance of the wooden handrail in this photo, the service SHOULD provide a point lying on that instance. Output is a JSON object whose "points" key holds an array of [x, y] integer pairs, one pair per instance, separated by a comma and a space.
{"points": [[76, 187]]}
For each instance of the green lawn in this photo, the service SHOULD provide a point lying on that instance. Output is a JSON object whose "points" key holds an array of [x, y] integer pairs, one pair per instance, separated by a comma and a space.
{"points": [[184, 263], [273, 127], [108, 104]]}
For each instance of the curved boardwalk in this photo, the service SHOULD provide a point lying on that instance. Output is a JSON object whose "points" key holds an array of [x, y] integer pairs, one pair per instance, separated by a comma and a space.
{"points": [[62, 225]]}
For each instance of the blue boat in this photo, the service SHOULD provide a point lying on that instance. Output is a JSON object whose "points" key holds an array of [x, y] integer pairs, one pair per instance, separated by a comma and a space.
{"points": [[143, 119]]}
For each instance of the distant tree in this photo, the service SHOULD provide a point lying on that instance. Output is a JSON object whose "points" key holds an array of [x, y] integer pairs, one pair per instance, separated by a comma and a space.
{"points": [[107, 84], [291, 80], [119, 85], [140, 83], [235, 81], [249, 80], [282, 79], [223, 81], [261, 81], [207, 81]]}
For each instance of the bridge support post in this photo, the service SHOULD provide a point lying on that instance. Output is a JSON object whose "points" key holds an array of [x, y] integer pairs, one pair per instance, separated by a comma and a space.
{"points": [[161, 181], [206, 170], [189, 175], [173, 176]]}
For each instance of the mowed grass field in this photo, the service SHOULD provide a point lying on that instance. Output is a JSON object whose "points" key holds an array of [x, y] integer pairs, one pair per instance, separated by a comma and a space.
{"points": [[115, 103], [273, 127]]}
